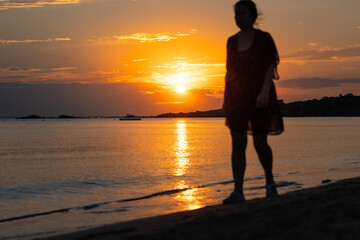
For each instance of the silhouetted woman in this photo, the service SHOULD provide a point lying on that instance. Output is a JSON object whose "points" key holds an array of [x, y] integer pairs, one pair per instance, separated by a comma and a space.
{"points": [[250, 101]]}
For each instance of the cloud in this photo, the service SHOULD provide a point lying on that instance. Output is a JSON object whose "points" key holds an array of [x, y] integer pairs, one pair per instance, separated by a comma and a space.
{"points": [[63, 68], [180, 58], [169, 75], [169, 102], [142, 37], [189, 65], [65, 75], [139, 60], [214, 91], [146, 92], [187, 73], [145, 37], [155, 37], [6, 4], [36, 75], [3, 41], [322, 54], [17, 69], [316, 83]]}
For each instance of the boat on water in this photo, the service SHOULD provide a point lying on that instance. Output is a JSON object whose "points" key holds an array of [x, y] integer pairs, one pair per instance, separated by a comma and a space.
{"points": [[130, 117]]}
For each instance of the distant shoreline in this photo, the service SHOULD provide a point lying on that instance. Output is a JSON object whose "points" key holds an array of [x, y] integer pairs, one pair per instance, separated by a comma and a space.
{"points": [[342, 106]]}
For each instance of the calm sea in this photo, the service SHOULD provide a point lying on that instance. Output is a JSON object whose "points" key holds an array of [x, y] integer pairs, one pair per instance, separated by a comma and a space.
{"points": [[64, 175]]}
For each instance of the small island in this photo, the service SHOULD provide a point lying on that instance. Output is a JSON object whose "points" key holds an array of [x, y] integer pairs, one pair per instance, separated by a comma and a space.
{"points": [[130, 117], [31, 117]]}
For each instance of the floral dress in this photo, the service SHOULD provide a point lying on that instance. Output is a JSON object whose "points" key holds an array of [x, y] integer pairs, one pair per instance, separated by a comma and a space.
{"points": [[244, 79]]}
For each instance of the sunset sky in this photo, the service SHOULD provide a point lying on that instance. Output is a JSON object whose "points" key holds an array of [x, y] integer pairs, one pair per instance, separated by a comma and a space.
{"points": [[146, 57]]}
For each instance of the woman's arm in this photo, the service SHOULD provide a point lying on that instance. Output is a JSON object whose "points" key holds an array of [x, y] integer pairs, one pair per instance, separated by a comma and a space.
{"points": [[226, 75], [223, 106], [263, 98]]}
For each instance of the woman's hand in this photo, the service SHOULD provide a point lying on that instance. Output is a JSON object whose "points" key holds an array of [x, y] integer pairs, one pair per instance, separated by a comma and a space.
{"points": [[263, 99]]}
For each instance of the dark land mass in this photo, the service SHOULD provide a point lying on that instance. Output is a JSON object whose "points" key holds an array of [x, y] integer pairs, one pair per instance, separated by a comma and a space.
{"points": [[66, 116], [342, 106], [211, 113], [31, 117]]}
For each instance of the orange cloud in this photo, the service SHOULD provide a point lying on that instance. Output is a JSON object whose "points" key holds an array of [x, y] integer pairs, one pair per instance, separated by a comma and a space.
{"points": [[146, 92], [145, 37], [6, 4], [3, 41], [214, 91], [142, 37], [155, 37], [139, 60], [169, 102], [189, 74]]}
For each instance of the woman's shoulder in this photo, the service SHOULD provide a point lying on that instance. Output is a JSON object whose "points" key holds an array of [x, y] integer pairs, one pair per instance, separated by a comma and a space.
{"points": [[233, 37], [264, 37], [260, 33], [232, 41], [263, 34]]}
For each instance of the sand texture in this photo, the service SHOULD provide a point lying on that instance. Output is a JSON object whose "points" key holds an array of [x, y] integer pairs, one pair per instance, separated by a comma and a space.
{"points": [[328, 212]]}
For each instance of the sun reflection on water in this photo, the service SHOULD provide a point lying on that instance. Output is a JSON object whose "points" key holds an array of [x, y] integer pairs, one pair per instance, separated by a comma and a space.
{"points": [[189, 199], [181, 149]]}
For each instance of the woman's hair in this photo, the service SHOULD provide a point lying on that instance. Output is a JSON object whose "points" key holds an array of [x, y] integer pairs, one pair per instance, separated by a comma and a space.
{"points": [[251, 6]]}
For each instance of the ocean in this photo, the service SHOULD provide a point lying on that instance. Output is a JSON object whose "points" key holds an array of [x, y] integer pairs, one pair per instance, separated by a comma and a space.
{"points": [[60, 175]]}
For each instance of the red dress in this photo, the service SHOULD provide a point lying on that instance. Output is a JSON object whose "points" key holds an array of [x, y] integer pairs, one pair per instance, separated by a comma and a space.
{"points": [[244, 79]]}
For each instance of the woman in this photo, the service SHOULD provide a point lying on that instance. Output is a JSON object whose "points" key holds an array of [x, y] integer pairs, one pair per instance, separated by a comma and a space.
{"points": [[250, 102]]}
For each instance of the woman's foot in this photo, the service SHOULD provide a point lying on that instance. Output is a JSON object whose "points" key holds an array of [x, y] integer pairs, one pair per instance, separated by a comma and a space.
{"points": [[235, 197], [271, 190]]}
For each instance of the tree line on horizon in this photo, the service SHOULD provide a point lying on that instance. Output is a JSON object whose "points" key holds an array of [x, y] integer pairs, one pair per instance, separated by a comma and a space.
{"points": [[346, 106]]}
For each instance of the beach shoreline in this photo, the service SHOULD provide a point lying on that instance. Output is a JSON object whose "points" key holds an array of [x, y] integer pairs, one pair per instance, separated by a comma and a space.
{"points": [[330, 211]]}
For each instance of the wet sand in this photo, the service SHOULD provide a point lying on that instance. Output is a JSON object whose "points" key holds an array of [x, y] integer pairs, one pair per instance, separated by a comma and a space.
{"points": [[328, 212]]}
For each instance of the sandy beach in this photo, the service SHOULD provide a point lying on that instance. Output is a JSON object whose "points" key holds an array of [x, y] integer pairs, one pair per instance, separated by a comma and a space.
{"points": [[330, 211]]}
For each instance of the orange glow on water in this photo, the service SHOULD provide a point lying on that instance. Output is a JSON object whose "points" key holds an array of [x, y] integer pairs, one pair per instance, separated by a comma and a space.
{"points": [[181, 149], [190, 197]]}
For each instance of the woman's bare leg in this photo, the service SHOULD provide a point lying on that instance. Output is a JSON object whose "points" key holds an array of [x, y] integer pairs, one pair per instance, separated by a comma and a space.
{"points": [[265, 155], [238, 159]]}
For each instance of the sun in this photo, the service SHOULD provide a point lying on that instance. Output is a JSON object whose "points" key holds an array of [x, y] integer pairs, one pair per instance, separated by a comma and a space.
{"points": [[180, 89]]}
